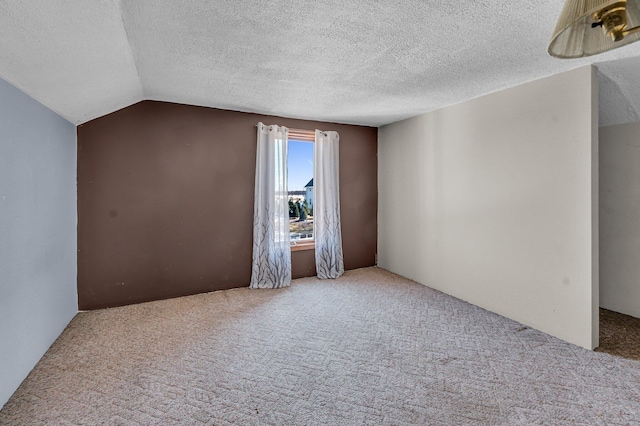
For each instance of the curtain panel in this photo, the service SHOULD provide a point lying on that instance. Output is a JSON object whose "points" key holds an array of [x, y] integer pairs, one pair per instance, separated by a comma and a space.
{"points": [[271, 266], [326, 209]]}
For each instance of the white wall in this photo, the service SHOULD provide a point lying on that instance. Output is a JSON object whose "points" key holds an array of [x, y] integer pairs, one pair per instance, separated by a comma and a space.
{"points": [[620, 218], [38, 294], [494, 201]]}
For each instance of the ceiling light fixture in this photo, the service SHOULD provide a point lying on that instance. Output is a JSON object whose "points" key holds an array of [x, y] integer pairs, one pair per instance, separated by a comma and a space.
{"points": [[589, 27]]}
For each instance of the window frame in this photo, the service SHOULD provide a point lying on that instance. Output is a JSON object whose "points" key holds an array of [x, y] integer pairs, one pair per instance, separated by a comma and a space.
{"points": [[300, 135]]}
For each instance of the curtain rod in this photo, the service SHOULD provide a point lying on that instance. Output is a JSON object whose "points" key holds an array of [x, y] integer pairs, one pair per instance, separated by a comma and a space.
{"points": [[297, 132], [294, 130]]}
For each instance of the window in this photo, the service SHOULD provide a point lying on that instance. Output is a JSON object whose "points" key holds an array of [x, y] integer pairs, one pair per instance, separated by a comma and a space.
{"points": [[300, 184]]}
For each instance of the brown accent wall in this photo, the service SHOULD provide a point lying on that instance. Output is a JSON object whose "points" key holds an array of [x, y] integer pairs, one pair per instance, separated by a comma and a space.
{"points": [[165, 201]]}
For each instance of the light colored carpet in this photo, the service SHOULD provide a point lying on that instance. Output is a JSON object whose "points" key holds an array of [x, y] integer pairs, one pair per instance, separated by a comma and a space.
{"points": [[368, 348]]}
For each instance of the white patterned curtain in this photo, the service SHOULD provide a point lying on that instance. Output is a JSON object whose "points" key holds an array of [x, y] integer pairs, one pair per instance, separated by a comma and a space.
{"points": [[271, 266], [326, 206]]}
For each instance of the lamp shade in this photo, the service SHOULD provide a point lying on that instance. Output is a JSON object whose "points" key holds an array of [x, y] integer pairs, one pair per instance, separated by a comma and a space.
{"points": [[579, 33]]}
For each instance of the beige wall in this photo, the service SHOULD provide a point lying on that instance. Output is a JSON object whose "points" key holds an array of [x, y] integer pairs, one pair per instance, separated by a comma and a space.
{"points": [[620, 218], [494, 201]]}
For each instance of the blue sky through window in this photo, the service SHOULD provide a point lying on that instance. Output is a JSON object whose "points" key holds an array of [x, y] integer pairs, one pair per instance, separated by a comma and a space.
{"points": [[300, 163]]}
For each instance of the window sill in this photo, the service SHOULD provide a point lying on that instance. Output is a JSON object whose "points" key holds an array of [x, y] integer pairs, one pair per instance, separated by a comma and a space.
{"points": [[307, 245]]}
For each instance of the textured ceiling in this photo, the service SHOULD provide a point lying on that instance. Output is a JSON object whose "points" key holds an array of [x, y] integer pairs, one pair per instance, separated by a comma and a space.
{"points": [[619, 97], [362, 62]]}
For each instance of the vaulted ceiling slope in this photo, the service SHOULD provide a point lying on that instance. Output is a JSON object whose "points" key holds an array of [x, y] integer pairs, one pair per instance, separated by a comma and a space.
{"points": [[360, 61]]}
